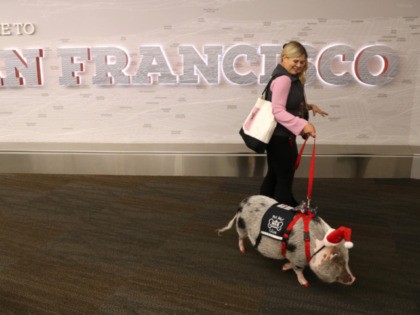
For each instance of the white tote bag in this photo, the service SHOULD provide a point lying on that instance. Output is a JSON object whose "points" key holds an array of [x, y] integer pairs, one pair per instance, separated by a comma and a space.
{"points": [[259, 126]]}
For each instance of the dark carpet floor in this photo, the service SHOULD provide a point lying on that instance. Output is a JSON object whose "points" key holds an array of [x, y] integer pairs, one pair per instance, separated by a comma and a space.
{"points": [[147, 245]]}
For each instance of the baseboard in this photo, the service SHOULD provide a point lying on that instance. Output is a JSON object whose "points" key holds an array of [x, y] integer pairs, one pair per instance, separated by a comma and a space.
{"points": [[203, 160]]}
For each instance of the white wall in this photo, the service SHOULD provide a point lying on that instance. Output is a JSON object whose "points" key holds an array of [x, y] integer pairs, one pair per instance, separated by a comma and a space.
{"points": [[202, 113]]}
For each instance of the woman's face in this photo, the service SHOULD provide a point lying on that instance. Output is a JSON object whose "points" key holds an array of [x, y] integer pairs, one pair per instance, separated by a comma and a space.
{"points": [[294, 65]]}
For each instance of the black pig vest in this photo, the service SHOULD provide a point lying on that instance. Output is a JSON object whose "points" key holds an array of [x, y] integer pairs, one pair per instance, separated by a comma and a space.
{"points": [[276, 220]]}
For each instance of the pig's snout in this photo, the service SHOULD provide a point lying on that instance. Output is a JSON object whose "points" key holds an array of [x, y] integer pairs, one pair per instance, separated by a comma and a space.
{"points": [[346, 279]]}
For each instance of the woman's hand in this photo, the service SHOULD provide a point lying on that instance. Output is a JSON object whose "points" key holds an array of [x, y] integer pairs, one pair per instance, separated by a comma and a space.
{"points": [[316, 110], [309, 130]]}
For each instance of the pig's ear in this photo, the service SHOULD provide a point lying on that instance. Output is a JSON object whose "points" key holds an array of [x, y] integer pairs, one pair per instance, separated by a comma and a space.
{"points": [[334, 237]]}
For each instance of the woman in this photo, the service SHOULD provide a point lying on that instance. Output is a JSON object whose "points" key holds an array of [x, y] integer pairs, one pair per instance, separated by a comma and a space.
{"points": [[286, 92]]}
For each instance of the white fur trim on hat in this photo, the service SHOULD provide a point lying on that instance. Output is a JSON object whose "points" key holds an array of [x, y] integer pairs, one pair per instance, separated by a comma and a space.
{"points": [[334, 237]]}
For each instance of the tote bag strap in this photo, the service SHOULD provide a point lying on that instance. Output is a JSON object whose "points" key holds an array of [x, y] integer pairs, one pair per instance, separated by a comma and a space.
{"points": [[266, 88], [263, 94]]}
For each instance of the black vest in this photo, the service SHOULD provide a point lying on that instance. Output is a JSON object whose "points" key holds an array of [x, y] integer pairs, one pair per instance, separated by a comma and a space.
{"points": [[295, 104]]}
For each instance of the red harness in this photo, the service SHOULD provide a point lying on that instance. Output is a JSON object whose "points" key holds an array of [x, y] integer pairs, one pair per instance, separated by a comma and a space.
{"points": [[306, 217]]}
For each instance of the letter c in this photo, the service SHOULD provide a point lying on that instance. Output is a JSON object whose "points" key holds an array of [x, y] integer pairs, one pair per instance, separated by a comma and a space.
{"points": [[229, 64], [325, 62]]}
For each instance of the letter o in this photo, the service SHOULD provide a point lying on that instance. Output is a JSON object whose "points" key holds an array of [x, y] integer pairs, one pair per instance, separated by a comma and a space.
{"points": [[29, 28], [389, 65]]}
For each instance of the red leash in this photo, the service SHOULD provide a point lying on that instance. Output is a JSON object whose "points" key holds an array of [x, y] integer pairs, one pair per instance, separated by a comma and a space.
{"points": [[311, 169], [306, 215], [311, 175]]}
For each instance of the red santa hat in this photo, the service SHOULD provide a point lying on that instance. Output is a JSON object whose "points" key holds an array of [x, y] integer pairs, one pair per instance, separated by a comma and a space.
{"points": [[334, 237]]}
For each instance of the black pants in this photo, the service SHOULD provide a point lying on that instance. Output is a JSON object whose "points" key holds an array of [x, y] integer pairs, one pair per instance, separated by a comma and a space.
{"points": [[281, 156]]}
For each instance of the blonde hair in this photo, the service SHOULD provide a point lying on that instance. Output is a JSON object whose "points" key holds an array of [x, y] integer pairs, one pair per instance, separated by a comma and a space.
{"points": [[294, 49]]}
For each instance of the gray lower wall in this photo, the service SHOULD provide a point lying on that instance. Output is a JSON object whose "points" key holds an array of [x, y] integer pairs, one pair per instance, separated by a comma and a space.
{"points": [[203, 160]]}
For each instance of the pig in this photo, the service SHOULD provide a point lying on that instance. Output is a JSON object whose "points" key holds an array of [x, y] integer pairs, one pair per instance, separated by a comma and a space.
{"points": [[329, 248]]}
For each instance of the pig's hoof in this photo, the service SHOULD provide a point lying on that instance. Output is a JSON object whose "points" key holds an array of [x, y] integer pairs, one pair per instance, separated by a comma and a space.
{"points": [[287, 266], [242, 246]]}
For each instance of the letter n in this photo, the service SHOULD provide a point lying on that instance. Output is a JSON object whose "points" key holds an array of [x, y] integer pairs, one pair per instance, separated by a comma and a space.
{"points": [[193, 62], [22, 70]]}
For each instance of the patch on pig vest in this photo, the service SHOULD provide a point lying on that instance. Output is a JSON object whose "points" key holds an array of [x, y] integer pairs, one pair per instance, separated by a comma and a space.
{"points": [[276, 220]]}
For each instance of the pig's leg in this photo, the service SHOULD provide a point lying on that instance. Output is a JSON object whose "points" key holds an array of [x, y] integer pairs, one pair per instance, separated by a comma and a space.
{"points": [[301, 277], [241, 245], [242, 233]]}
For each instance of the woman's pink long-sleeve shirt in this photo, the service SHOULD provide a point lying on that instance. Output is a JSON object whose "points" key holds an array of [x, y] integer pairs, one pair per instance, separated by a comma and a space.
{"points": [[280, 88]]}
